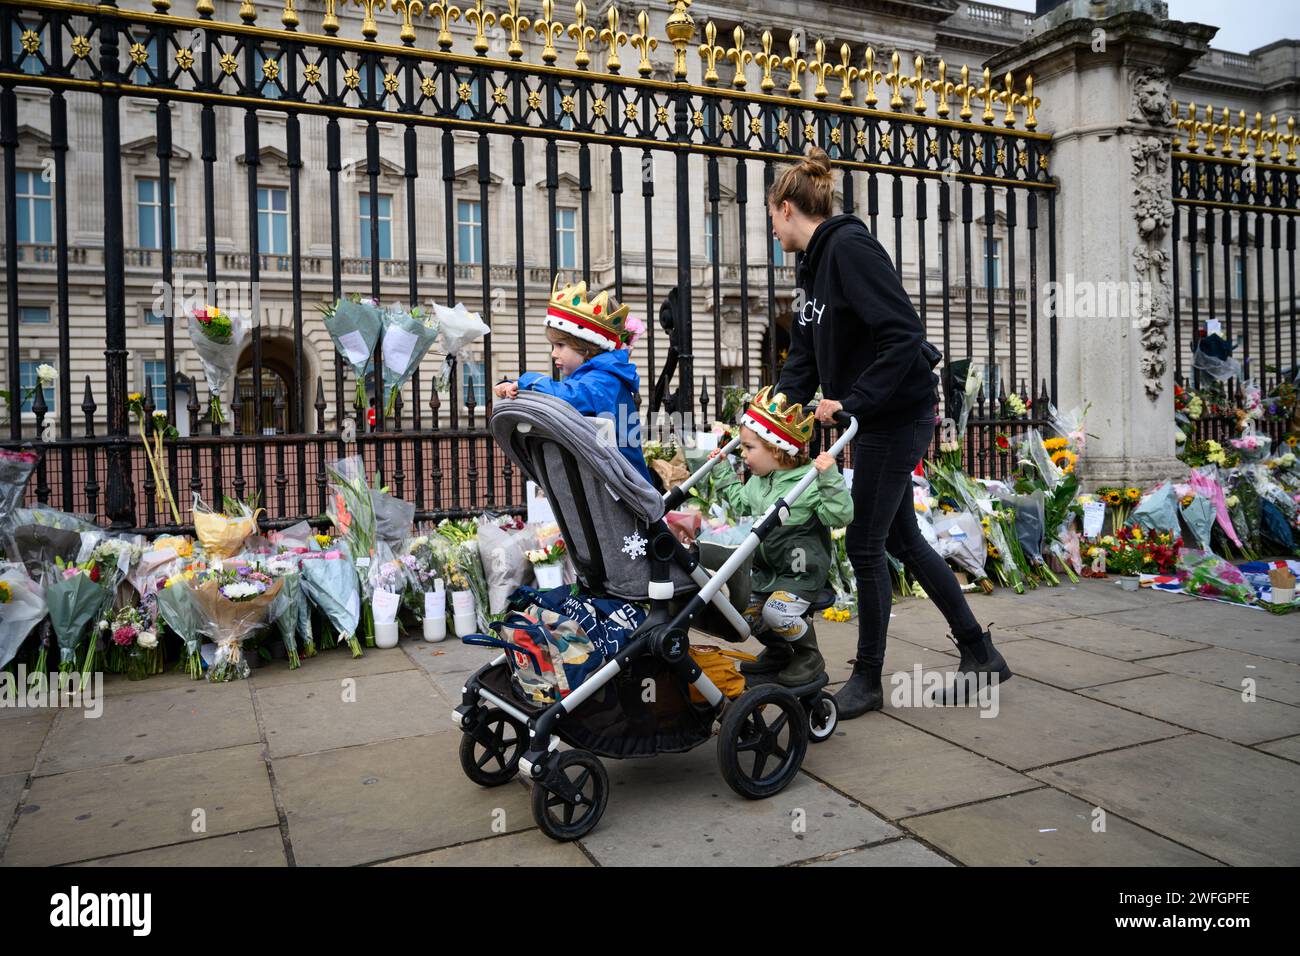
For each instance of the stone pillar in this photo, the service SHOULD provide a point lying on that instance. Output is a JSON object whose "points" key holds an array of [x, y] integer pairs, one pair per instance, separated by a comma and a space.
{"points": [[1102, 71]]}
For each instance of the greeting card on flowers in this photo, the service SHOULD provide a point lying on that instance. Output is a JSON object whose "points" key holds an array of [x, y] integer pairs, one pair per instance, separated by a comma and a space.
{"points": [[539, 506]]}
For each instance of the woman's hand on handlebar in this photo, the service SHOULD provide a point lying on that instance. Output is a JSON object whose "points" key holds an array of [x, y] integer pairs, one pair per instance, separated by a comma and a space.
{"points": [[827, 409]]}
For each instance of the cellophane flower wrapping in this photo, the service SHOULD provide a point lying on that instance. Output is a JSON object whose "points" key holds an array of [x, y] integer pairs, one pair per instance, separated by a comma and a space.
{"points": [[425, 557], [22, 607], [388, 576], [15, 468], [355, 325], [330, 582], [458, 328], [219, 356], [233, 605], [1203, 572], [75, 602], [1199, 516], [408, 336], [223, 535], [286, 609], [178, 609], [1158, 511], [503, 548]]}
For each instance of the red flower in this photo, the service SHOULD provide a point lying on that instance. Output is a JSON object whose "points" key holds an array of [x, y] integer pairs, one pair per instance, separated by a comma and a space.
{"points": [[1004, 444], [94, 573]]}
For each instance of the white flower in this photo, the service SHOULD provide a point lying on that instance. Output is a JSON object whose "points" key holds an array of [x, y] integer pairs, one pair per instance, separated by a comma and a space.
{"points": [[147, 640], [241, 590], [46, 374], [1180, 437], [278, 567]]}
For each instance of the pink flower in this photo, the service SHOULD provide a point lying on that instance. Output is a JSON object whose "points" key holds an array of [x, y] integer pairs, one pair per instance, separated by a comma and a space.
{"points": [[124, 635]]}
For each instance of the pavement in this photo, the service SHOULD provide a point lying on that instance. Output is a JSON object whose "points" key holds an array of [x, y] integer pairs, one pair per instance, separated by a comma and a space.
{"points": [[1141, 729]]}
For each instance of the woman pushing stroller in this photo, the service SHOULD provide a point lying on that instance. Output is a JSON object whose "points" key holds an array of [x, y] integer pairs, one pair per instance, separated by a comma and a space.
{"points": [[793, 564]]}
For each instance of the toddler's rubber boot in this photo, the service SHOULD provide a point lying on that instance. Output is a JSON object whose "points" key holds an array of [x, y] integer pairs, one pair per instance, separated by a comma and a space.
{"points": [[773, 658], [806, 662]]}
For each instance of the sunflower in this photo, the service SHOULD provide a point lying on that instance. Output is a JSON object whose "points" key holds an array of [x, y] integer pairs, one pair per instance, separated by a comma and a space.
{"points": [[994, 553], [1113, 497], [1065, 460], [1293, 440], [1186, 500], [1133, 494], [1056, 444]]}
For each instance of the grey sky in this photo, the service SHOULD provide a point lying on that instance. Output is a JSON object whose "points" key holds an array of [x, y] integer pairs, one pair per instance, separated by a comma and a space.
{"points": [[1242, 27]]}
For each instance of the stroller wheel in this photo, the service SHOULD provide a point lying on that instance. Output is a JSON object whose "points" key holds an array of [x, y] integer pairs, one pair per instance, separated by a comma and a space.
{"points": [[492, 758], [823, 718], [762, 741], [569, 801]]}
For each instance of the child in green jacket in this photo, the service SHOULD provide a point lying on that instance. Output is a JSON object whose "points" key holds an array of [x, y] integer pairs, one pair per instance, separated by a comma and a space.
{"points": [[793, 564]]}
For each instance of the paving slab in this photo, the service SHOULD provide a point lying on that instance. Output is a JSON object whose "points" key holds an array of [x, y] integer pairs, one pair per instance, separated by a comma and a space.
{"points": [[898, 771], [1274, 680], [1218, 711], [1244, 629], [117, 685], [11, 789], [21, 739], [135, 727], [676, 810], [1046, 827], [527, 848], [333, 664], [448, 663], [379, 801], [1006, 609], [1229, 802], [1107, 636], [897, 853], [1067, 667], [257, 848], [323, 715], [1288, 748], [109, 810], [1036, 725], [922, 624], [1087, 597]]}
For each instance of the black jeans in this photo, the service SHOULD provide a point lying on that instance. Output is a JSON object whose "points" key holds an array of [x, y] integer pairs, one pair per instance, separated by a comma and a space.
{"points": [[884, 519]]}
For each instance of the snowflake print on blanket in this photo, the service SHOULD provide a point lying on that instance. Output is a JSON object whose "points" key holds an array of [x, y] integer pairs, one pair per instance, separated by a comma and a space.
{"points": [[634, 545]]}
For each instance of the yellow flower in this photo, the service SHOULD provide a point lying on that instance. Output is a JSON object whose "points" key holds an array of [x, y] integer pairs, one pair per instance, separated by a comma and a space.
{"points": [[1133, 494], [1056, 444], [1112, 497], [6, 593], [1137, 534], [323, 540], [1147, 559], [135, 397], [1065, 460]]}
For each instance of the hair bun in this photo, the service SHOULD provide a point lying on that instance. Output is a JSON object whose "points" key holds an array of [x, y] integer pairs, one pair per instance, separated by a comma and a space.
{"points": [[816, 162]]}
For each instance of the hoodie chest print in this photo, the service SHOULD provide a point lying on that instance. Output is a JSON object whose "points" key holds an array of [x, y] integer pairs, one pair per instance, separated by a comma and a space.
{"points": [[811, 312]]}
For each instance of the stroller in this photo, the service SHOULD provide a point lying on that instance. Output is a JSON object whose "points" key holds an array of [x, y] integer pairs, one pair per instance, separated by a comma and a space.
{"points": [[613, 524]]}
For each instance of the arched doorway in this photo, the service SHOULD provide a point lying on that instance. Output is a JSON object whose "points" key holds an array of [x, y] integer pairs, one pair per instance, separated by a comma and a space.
{"points": [[775, 351], [279, 411]]}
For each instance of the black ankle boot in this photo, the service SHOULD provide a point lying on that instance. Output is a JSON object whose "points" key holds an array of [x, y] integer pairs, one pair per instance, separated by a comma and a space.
{"points": [[978, 657], [861, 693]]}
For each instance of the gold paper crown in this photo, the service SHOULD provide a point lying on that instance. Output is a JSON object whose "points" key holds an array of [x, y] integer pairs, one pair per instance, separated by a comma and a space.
{"points": [[777, 422], [592, 320]]}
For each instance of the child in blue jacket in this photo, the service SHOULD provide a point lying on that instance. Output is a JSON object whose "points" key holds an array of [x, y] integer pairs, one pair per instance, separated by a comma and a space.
{"points": [[589, 339]]}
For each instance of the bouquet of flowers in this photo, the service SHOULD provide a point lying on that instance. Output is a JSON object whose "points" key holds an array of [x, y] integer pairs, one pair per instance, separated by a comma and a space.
{"points": [[1198, 514], [960, 539], [505, 545], [408, 336], [1121, 502], [464, 571], [1205, 482], [1158, 511], [22, 607], [554, 554], [330, 583], [219, 338], [133, 646], [75, 601], [178, 609], [457, 328], [425, 559], [234, 602], [40, 537], [355, 325], [222, 534], [1205, 573], [15, 468], [289, 610], [1125, 555], [842, 579]]}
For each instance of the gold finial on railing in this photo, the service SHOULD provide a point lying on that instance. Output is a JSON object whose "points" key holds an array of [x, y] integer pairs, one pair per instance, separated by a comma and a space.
{"points": [[1008, 97], [331, 22], [1274, 137], [1180, 125], [871, 75], [369, 27], [549, 29], [919, 83], [444, 13], [613, 38], [583, 34], [942, 88], [1238, 133], [710, 53], [820, 68], [847, 73], [162, 6], [482, 19], [643, 43], [681, 30], [205, 9], [1031, 103], [1221, 128], [767, 60], [739, 57], [988, 94], [516, 24], [965, 90], [895, 79], [289, 17], [1258, 134], [247, 11], [1291, 139], [408, 9], [796, 65]]}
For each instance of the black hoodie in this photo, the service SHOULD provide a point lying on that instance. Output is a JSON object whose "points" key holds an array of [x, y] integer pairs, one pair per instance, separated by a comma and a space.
{"points": [[857, 335]]}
